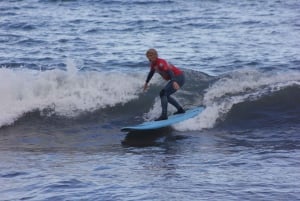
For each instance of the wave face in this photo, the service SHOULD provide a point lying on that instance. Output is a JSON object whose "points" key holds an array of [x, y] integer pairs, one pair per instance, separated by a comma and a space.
{"points": [[63, 93], [249, 90], [234, 99]]}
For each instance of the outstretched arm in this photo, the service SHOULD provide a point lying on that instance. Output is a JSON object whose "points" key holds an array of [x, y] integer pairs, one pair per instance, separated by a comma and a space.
{"points": [[150, 75]]}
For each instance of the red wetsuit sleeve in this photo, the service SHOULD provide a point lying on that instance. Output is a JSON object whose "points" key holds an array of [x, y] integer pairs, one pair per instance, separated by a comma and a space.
{"points": [[167, 71]]}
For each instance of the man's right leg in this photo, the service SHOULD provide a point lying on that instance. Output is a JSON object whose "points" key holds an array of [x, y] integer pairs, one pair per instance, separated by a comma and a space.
{"points": [[164, 105]]}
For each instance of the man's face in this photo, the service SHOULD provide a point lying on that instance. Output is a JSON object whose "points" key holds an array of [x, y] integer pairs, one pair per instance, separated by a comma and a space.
{"points": [[151, 57]]}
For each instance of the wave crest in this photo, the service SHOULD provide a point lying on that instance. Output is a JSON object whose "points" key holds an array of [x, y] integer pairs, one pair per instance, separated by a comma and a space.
{"points": [[65, 93]]}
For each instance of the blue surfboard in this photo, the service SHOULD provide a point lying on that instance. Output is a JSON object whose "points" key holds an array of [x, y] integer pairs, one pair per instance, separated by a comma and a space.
{"points": [[150, 125]]}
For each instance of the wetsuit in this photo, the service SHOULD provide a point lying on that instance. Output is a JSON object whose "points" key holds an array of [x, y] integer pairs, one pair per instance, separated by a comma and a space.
{"points": [[171, 73]]}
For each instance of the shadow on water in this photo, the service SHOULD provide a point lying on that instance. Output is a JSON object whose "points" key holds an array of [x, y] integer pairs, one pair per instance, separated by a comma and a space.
{"points": [[149, 138]]}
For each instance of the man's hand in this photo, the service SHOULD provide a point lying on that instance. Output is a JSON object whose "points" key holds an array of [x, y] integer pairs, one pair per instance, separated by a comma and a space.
{"points": [[145, 87], [176, 85]]}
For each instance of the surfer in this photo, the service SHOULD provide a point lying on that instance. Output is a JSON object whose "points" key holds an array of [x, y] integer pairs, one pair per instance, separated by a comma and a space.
{"points": [[172, 74]]}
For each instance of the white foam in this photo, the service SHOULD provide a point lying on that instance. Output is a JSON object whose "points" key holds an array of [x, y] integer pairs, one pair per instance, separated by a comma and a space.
{"points": [[67, 93], [239, 86]]}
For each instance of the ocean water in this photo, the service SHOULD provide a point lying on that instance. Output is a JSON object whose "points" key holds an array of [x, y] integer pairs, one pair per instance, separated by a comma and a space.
{"points": [[72, 74]]}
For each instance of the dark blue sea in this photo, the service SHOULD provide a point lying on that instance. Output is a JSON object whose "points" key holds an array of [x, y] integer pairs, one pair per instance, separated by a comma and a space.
{"points": [[72, 75]]}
